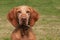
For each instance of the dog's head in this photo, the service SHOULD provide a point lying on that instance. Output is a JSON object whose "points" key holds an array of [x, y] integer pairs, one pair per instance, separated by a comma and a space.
{"points": [[22, 15]]}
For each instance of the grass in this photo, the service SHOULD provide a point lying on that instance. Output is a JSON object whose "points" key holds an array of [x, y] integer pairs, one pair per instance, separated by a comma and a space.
{"points": [[46, 28]]}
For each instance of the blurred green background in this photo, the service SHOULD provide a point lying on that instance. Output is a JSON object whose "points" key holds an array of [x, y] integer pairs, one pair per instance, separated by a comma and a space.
{"points": [[46, 28]]}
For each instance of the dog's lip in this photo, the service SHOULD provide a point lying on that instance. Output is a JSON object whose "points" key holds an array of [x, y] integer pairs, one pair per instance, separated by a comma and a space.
{"points": [[23, 23]]}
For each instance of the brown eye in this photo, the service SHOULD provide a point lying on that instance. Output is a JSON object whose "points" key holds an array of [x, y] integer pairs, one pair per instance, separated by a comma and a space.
{"points": [[19, 11], [27, 12]]}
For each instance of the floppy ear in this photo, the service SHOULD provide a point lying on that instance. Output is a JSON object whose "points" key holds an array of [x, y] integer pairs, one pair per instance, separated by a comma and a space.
{"points": [[34, 17], [12, 17]]}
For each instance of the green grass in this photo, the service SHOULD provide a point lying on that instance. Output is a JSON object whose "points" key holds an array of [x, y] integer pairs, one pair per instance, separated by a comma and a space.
{"points": [[46, 28]]}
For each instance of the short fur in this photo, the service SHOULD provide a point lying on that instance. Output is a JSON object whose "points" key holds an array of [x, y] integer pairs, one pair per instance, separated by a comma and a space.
{"points": [[22, 32]]}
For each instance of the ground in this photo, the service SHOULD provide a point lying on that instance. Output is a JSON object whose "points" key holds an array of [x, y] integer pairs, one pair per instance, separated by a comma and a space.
{"points": [[46, 28]]}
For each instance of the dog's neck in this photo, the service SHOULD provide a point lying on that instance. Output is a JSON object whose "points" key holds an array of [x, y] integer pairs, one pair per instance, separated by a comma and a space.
{"points": [[23, 27], [24, 30]]}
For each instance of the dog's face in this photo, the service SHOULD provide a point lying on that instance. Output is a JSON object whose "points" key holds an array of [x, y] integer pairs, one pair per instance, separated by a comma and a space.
{"points": [[23, 15]]}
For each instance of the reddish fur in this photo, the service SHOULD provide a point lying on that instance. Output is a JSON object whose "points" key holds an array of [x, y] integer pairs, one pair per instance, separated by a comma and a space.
{"points": [[12, 17], [34, 17], [16, 35]]}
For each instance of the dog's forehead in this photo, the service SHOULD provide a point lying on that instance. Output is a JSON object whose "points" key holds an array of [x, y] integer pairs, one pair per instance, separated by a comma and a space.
{"points": [[23, 8]]}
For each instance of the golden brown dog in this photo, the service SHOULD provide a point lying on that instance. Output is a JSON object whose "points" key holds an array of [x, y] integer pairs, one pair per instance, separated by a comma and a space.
{"points": [[22, 18]]}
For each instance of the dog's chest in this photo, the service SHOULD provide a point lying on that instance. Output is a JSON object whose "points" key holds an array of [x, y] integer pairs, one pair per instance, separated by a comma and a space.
{"points": [[28, 37], [25, 36]]}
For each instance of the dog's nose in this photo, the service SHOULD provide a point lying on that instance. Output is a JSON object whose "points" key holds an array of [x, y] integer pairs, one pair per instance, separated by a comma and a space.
{"points": [[23, 17]]}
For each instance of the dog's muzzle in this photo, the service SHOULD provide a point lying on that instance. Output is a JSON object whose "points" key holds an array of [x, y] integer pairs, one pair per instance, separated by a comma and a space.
{"points": [[23, 20]]}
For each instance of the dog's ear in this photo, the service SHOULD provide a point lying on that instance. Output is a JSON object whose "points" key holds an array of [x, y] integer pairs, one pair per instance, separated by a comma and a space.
{"points": [[34, 16], [12, 17]]}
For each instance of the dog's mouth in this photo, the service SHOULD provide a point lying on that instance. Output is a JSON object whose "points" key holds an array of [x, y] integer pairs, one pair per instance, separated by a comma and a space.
{"points": [[23, 24], [23, 21]]}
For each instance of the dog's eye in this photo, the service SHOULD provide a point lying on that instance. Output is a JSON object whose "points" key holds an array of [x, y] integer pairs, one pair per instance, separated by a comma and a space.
{"points": [[19, 11], [27, 12]]}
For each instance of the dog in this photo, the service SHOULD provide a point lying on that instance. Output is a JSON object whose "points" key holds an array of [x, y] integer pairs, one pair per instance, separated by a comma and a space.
{"points": [[23, 18]]}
